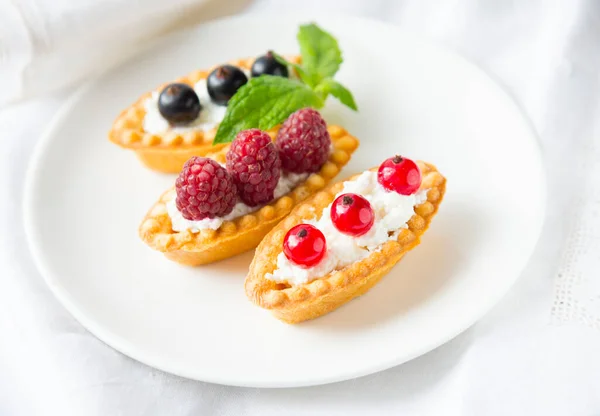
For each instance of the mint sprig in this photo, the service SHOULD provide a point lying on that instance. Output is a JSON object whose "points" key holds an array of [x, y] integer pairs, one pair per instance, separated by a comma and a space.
{"points": [[266, 101], [263, 103], [320, 52]]}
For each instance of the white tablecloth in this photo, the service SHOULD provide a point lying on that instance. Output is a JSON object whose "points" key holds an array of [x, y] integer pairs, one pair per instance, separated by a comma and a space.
{"points": [[536, 353]]}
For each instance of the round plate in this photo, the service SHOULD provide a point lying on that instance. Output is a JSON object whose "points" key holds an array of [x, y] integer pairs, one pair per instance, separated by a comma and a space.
{"points": [[85, 198]]}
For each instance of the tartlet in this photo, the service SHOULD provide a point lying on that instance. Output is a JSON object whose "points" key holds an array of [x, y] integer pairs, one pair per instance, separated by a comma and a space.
{"points": [[243, 233], [293, 303], [167, 152]]}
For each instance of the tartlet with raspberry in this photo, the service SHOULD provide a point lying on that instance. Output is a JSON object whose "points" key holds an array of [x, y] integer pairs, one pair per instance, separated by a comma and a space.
{"points": [[225, 203], [340, 242], [178, 120]]}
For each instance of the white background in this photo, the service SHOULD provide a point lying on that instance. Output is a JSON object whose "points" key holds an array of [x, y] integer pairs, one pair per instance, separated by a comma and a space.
{"points": [[537, 352]]}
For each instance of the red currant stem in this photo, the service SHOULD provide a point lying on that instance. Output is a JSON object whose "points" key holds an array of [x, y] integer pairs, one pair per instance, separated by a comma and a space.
{"points": [[302, 233], [397, 159], [347, 200]]}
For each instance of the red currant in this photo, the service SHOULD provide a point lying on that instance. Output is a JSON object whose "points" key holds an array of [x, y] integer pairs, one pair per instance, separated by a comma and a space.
{"points": [[304, 245], [352, 214], [400, 175]]}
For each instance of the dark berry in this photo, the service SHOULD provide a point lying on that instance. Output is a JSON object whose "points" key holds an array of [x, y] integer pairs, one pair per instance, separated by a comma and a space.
{"points": [[304, 245], [204, 190], [352, 214], [400, 175], [254, 165], [223, 82], [267, 64], [303, 142], [179, 104]]}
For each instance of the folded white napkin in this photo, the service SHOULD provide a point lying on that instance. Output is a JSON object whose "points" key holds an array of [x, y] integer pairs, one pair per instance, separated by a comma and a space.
{"points": [[50, 44]]}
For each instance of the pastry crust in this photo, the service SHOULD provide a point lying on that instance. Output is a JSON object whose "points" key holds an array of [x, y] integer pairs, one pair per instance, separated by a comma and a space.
{"points": [[243, 233], [297, 303], [169, 151]]}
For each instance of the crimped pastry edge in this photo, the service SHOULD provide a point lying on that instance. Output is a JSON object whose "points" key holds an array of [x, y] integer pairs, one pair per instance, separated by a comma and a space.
{"points": [[292, 303], [127, 130], [155, 229]]}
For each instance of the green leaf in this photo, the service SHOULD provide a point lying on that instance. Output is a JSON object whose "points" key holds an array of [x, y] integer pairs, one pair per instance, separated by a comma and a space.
{"points": [[320, 52], [304, 76], [263, 103], [329, 86]]}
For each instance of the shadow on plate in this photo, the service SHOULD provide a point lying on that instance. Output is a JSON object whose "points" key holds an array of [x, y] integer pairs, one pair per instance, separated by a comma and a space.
{"points": [[422, 273], [236, 265]]}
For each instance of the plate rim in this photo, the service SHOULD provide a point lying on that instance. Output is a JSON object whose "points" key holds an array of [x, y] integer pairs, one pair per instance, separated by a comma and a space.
{"points": [[123, 346]]}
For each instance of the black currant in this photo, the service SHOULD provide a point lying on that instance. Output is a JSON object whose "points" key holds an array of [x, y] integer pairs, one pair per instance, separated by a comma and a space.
{"points": [[223, 82], [267, 64], [179, 104]]}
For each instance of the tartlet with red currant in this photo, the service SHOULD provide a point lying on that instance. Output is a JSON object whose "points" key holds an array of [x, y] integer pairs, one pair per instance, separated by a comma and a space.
{"points": [[340, 242], [225, 203]]}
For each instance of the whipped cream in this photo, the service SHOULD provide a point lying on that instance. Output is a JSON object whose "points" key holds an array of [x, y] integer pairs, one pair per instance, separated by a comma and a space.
{"points": [[287, 182], [392, 212]]}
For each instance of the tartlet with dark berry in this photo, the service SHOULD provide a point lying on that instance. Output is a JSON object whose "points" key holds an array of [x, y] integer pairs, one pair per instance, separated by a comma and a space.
{"points": [[178, 120]]}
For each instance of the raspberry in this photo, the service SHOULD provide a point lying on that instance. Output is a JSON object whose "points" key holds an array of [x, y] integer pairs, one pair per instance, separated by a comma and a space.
{"points": [[254, 165], [303, 142], [204, 190]]}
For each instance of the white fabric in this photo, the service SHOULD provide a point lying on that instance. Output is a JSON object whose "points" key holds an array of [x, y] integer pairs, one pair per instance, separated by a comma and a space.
{"points": [[536, 353], [49, 44]]}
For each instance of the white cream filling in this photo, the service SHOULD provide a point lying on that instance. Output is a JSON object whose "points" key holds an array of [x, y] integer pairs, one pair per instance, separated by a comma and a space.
{"points": [[287, 182], [392, 212]]}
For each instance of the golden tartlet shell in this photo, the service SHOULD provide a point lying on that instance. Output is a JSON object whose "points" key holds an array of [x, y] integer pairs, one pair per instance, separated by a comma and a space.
{"points": [[167, 152], [297, 303], [243, 233]]}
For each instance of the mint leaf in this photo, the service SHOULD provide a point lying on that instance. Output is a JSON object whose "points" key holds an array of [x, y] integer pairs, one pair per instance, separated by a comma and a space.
{"points": [[263, 103], [304, 76], [329, 86], [321, 55]]}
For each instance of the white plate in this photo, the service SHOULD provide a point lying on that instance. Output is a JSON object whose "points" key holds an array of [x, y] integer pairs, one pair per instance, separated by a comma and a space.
{"points": [[85, 198]]}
